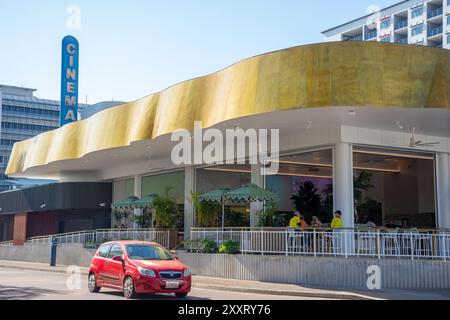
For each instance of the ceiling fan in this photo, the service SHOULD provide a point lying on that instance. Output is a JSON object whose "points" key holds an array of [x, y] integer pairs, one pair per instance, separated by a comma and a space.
{"points": [[414, 143]]}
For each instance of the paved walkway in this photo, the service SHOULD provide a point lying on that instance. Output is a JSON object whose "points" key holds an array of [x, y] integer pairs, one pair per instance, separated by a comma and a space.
{"points": [[257, 287]]}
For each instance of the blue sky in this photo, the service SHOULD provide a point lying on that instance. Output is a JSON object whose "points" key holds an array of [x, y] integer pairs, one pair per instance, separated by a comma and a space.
{"points": [[133, 48]]}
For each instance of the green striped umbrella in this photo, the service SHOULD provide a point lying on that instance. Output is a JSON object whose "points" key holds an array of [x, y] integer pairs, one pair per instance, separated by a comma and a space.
{"points": [[124, 204], [145, 202], [218, 196], [251, 193]]}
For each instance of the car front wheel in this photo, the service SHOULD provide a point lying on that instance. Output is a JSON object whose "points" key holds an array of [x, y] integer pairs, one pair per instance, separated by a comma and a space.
{"points": [[92, 284], [128, 288]]}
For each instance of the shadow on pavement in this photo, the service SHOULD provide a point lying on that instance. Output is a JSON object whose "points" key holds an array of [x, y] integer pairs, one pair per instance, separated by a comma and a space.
{"points": [[20, 293]]}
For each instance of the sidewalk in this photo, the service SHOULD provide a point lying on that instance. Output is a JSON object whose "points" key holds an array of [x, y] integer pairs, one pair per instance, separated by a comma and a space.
{"points": [[266, 288]]}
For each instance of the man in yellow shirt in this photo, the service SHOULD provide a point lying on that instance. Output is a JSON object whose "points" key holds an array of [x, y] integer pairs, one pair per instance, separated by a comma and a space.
{"points": [[296, 220], [337, 221]]}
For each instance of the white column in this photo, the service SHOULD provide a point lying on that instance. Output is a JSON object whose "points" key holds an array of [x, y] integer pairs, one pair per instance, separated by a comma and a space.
{"points": [[343, 183], [443, 190], [137, 193], [189, 186], [258, 179]]}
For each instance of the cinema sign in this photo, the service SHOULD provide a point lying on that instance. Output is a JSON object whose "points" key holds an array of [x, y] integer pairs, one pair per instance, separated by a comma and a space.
{"points": [[69, 80]]}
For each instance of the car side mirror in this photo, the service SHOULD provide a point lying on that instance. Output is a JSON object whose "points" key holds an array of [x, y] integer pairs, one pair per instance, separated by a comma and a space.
{"points": [[118, 259]]}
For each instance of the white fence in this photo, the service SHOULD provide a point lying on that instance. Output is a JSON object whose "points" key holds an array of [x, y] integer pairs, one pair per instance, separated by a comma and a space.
{"points": [[94, 237], [411, 244], [6, 244]]}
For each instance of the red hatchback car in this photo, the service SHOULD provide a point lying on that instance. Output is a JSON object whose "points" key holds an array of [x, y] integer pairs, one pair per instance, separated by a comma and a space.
{"points": [[138, 267]]}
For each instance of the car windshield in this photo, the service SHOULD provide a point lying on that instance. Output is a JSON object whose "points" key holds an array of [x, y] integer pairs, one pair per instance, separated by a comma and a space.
{"points": [[147, 252]]}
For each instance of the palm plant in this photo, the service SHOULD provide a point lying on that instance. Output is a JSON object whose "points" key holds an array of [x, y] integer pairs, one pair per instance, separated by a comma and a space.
{"points": [[206, 212], [165, 209]]}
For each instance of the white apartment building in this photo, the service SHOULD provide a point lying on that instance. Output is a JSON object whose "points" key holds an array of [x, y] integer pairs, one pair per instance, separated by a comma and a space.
{"points": [[407, 22]]}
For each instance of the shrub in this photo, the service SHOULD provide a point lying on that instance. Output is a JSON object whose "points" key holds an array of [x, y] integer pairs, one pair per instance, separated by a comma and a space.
{"points": [[229, 247], [207, 246]]}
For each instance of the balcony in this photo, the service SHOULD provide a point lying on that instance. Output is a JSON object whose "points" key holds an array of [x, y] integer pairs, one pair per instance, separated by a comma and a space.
{"points": [[401, 24], [358, 37], [435, 13], [435, 31], [371, 35], [403, 40]]}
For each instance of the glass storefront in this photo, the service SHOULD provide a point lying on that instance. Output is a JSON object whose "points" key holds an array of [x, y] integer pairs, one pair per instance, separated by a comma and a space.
{"points": [[123, 189], [171, 183], [394, 189], [233, 177], [305, 183]]}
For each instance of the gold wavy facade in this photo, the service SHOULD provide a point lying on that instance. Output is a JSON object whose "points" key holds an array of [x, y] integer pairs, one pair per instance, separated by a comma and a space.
{"points": [[323, 75]]}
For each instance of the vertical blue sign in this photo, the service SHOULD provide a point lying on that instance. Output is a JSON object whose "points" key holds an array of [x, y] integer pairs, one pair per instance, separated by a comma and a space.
{"points": [[69, 80]]}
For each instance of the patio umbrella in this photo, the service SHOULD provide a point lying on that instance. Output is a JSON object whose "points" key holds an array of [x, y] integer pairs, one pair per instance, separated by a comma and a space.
{"points": [[124, 204], [145, 202], [218, 196], [251, 193]]}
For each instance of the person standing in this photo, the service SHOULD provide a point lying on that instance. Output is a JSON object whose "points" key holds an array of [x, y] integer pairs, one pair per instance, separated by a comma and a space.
{"points": [[338, 239], [337, 221]]}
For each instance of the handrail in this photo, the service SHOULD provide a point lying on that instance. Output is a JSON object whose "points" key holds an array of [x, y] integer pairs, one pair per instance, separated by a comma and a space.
{"points": [[425, 230], [376, 242]]}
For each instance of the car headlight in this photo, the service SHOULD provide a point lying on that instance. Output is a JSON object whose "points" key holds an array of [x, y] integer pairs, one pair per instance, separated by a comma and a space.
{"points": [[147, 272], [187, 273]]}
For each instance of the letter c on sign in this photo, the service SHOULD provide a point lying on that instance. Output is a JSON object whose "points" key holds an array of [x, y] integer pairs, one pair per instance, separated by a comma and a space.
{"points": [[71, 48]]}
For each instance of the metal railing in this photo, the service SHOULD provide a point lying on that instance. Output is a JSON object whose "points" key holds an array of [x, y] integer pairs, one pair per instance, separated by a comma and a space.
{"points": [[97, 236], [6, 244], [435, 31], [435, 13], [403, 40], [402, 24], [371, 34], [375, 243]]}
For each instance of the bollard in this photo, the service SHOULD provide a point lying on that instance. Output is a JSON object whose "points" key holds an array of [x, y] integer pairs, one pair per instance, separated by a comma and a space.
{"points": [[54, 245]]}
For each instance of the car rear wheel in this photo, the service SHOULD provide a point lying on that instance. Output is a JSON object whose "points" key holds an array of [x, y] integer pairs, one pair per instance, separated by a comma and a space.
{"points": [[92, 284], [181, 295], [128, 288]]}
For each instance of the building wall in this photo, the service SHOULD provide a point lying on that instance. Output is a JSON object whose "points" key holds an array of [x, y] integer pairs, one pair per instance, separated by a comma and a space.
{"points": [[323, 272], [395, 14], [22, 116]]}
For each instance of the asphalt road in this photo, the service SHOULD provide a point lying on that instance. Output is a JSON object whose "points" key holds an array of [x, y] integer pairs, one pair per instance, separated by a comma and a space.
{"points": [[36, 285]]}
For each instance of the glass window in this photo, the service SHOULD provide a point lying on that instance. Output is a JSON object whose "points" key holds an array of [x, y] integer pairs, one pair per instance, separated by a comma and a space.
{"points": [[231, 176], [416, 12], [116, 251], [386, 39], [385, 24], [160, 184], [417, 30], [305, 183], [104, 250], [385, 181], [147, 252]]}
